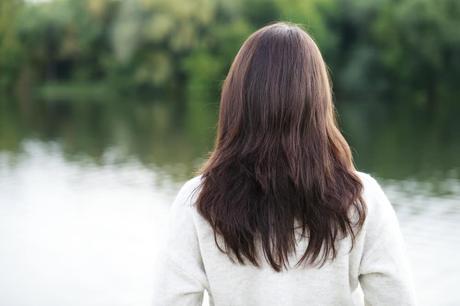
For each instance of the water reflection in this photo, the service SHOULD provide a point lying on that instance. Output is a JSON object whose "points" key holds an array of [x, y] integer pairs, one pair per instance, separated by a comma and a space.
{"points": [[85, 187], [157, 133], [78, 234]]}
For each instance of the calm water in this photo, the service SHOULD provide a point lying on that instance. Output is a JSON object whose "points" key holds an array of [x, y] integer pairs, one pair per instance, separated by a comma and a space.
{"points": [[85, 188]]}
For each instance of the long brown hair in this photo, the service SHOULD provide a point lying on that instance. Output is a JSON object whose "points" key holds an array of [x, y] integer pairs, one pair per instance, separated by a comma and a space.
{"points": [[279, 157]]}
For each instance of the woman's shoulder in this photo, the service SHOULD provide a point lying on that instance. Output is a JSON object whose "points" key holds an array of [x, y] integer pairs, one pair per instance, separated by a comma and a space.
{"points": [[372, 190], [189, 189], [194, 181], [367, 179], [379, 207], [186, 197]]}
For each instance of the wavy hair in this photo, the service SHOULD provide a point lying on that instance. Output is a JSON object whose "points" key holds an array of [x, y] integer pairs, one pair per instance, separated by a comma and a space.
{"points": [[279, 158]]}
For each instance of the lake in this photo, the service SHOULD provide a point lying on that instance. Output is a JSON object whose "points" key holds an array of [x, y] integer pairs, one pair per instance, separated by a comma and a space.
{"points": [[85, 187]]}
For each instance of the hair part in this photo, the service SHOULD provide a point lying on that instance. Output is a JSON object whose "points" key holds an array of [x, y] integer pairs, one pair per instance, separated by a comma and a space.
{"points": [[279, 158]]}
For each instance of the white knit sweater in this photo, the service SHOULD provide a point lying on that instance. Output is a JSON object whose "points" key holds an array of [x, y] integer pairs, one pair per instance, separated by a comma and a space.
{"points": [[375, 272]]}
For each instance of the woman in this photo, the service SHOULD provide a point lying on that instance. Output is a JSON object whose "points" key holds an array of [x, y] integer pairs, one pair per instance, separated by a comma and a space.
{"points": [[278, 215]]}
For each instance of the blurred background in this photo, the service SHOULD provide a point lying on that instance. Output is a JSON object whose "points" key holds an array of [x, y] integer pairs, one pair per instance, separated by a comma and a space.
{"points": [[108, 106]]}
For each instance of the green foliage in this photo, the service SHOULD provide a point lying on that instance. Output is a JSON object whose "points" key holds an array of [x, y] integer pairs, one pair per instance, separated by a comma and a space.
{"points": [[422, 48], [407, 50], [10, 50]]}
